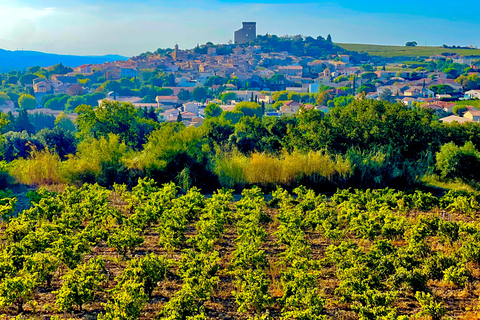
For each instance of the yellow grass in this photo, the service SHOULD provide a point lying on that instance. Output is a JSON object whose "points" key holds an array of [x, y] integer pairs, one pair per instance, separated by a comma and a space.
{"points": [[264, 169], [42, 168]]}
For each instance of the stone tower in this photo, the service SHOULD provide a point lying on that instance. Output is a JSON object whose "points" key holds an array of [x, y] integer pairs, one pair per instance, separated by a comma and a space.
{"points": [[247, 33]]}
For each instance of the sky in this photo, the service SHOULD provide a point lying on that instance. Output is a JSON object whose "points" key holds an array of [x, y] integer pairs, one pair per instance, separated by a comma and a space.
{"points": [[99, 27]]}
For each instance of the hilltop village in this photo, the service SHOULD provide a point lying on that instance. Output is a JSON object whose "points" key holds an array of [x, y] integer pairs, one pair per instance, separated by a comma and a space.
{"points": [[182, 82]]}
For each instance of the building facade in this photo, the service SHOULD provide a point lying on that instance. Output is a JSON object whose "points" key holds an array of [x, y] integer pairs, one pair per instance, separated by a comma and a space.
{"points": [[247, 33]]}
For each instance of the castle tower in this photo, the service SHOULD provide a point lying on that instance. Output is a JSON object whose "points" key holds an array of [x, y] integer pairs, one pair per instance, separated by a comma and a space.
{"points": [[175, 52], [247, 33]]}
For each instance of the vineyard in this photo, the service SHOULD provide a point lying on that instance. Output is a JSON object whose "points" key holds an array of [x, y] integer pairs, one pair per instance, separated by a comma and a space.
{"points": [[156, 252]]}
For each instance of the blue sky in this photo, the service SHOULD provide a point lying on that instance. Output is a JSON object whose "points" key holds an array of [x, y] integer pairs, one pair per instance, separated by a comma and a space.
{"points": [[132, 27]]}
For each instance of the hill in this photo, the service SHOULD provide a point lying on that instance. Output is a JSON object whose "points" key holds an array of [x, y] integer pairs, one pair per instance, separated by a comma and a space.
{"points": [[386, 51], [17, 60]]}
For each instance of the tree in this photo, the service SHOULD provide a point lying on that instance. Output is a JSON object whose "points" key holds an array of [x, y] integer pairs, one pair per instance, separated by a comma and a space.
{"points": [[28, 78], [411, 44], [386, 95], [184, 95], [199, 93], [27, 102], [4, 98], [329, 38], [213, 110], [442, 89], [250, 109], [369, 76], [117, 118], [22, 122], [228, 96], [366, 67], [323, 98]]}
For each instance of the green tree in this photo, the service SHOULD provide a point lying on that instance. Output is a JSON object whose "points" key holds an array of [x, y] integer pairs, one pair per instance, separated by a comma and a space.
{"points": [[184, 95], [28, 79], [4, 98], [411, 44], [117, 118], [228, 96], [27, 102], [386, 95], [199, 93], [213, 110], [250, 109], [369, 76]]}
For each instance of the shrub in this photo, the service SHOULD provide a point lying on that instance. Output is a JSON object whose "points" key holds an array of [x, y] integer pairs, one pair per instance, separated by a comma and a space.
{"points": [[429, 307], [16, 291], [81, 284]]}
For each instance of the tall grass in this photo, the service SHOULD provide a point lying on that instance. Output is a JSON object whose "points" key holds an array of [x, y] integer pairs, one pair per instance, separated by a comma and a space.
{"points": [[235, 169], [376, 168], [41, 168]]}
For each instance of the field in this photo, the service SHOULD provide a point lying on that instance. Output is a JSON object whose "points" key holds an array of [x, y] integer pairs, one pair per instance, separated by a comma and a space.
{"points": [[155, 253], [386, 51]]}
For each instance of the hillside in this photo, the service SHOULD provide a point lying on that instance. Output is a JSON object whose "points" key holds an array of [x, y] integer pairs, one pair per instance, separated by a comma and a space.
{"points": [[387, 51], [18, 60]]}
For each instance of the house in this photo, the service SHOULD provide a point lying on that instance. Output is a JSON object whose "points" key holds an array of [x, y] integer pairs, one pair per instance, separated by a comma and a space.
{"points": [[296, 71], [472, 94], [196, 122], [472, 115], [408, 101], [7, 106], [176, 90], [454, 118], [290, 107], [385, 74], [167, 99], [128, 72], [463, 60], [111, 96], [85, 68], [42, 86], [265, 98], [344, 58], [65, 79], [191, 107]]}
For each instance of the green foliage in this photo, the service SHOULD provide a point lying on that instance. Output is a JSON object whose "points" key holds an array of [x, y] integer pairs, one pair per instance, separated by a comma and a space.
{"points": [[457, 275], [127, 302], [111, 117], [459, 162], [42, 266], [81, 284], [16, 291], [249, 109], [124, 239], [429, 307], [27, 102], [212, 110], [148, 271], [252, 291]]}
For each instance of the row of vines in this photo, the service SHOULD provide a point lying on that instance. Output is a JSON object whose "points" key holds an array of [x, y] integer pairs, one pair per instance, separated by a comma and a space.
{"points": [[155, 253]]}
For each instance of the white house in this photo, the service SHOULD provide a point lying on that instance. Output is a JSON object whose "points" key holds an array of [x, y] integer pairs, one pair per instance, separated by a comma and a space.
{"points": [[472, 94], [191, 107]]}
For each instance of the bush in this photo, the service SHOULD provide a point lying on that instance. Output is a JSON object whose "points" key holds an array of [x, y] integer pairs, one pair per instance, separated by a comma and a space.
{"points": [[81, 284]]}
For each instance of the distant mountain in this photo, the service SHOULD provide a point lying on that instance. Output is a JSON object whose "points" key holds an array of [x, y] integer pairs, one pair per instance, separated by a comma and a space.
{"points": [[19, 60]]}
